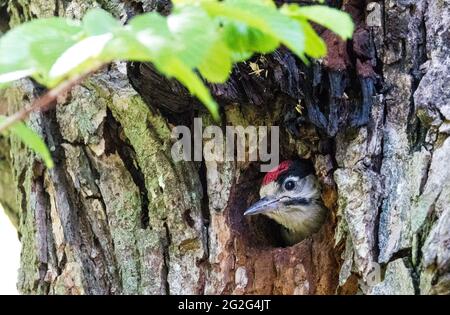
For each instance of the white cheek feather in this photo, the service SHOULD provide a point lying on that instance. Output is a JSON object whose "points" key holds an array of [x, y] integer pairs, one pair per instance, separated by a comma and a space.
{"points": [[301, 220], [268, 190], [309, 188]]}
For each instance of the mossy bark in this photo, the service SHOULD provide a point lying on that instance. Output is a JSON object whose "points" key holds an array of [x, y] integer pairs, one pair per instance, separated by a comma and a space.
{"points": [[118, 216]]}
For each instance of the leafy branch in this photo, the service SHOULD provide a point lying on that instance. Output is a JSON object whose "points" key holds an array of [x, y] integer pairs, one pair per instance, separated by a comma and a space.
{"points": [[199, 41]]}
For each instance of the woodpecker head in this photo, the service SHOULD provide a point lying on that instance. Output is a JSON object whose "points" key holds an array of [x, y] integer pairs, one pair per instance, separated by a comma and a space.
{"points": [[291, 195]]}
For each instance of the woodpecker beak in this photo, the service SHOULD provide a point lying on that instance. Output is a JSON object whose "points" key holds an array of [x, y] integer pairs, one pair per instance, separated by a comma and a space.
{"points": [[263, 205]]}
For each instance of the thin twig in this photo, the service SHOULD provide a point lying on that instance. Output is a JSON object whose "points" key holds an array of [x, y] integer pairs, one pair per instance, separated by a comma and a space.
{"points": [[44, 102]]}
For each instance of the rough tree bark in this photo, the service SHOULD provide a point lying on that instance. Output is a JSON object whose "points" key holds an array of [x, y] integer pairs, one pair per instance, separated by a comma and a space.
{"points": [[118, 216]]}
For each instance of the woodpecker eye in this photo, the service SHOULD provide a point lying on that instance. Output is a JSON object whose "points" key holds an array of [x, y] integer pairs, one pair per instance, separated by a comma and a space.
{"points": [[289, 185]]}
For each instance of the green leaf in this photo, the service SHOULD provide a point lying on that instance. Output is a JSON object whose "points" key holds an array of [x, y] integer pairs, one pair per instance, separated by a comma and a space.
{"points": [[32, 140], [263, 16], [189, 2], [98, 22], [152, 32], [337, 21], [7, 76], [242, 38], [314, 45], [240, 56], [45, 53], [82, 55], [125, 46], [190, 79], [217, 64], [26, 48], [194, 33], [180, 3], [199, 35]]}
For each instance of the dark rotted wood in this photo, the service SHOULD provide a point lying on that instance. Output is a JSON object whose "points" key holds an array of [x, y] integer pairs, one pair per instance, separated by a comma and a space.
{"points": [[278, 74], [168, 95], [333, 93]]}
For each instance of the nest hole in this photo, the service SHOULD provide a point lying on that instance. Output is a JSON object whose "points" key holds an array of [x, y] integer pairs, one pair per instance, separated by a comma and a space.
{"points": [[257, 231]]}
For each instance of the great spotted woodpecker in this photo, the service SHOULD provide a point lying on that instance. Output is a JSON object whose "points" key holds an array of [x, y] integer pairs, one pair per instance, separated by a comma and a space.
{"points": [[291, 195]]}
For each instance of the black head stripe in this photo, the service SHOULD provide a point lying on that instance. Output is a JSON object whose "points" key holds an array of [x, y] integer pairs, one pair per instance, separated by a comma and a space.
{"points": [[299, 168], [297, 202]]}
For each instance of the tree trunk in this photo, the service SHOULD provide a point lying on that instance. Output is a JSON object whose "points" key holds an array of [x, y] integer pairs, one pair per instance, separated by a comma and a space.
{"points": [[118, 216]]}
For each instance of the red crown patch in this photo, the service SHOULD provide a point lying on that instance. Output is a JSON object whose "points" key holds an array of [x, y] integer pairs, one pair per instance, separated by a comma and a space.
{"points": [[276, 172]]}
